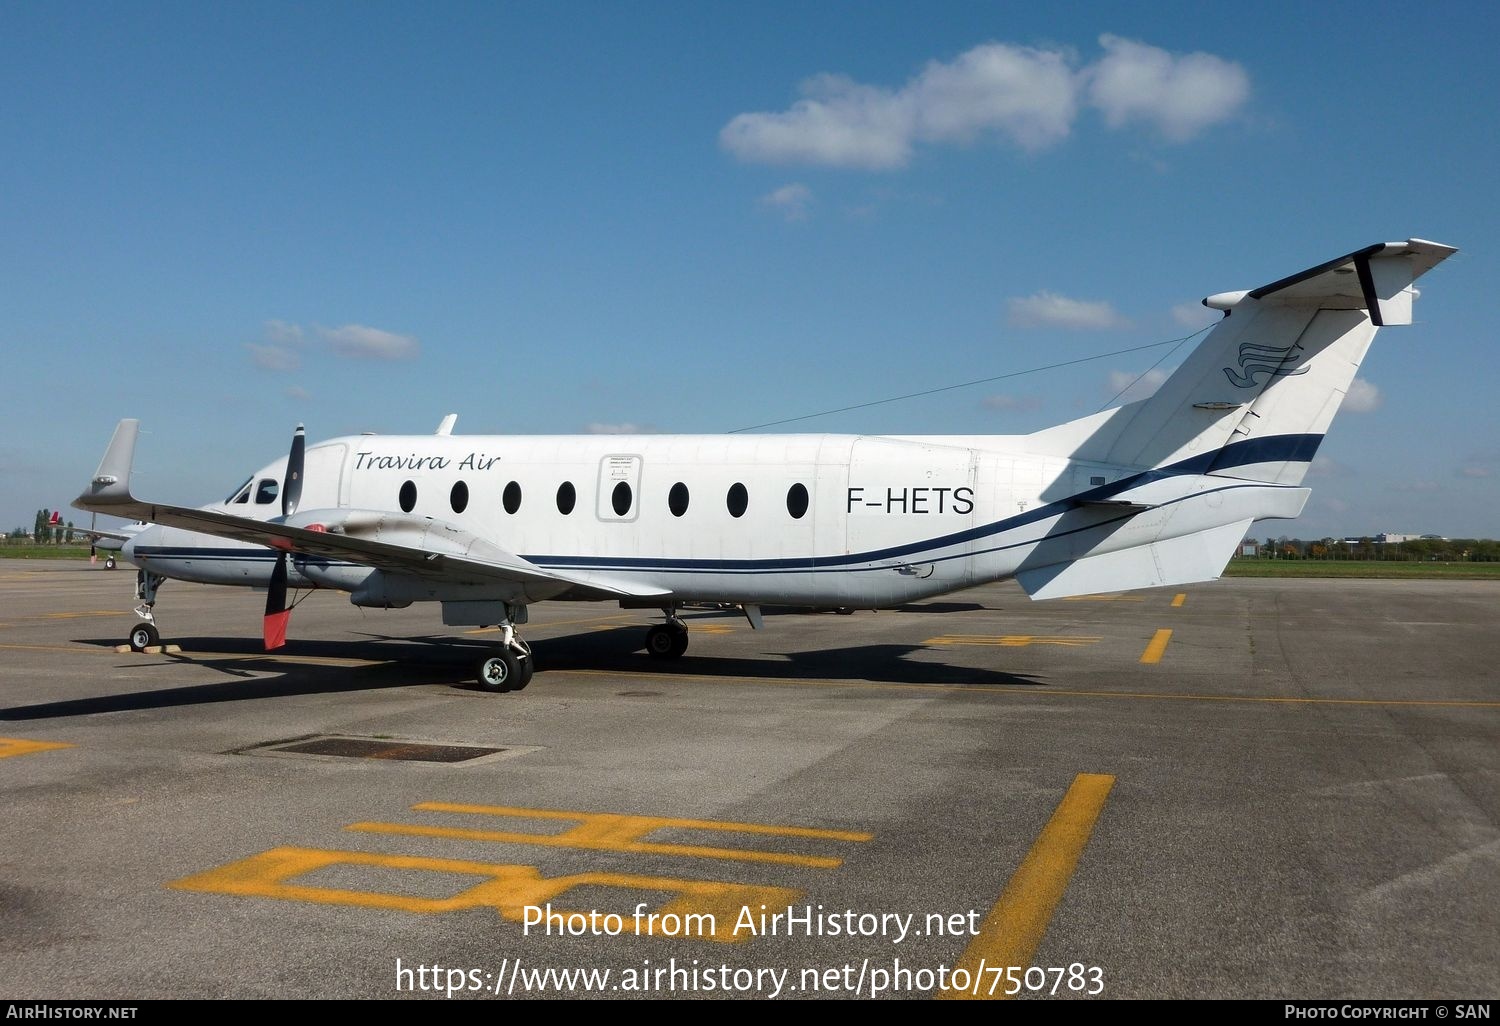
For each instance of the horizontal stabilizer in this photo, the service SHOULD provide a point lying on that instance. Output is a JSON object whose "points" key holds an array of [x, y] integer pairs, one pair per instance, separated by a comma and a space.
{"points": [[1183, 560]]}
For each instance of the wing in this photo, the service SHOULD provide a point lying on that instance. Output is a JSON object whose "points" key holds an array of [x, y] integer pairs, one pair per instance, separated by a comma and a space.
{"points": [[394, 542]]}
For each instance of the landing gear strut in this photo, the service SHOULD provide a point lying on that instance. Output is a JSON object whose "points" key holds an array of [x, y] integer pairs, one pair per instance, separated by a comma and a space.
{"points": [[509, 667], [667, 640], [144, 634]]}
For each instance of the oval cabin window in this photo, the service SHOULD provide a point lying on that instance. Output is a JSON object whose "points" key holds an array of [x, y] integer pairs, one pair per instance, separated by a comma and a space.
{"points": [[511, 497], [677, 499], [796, 501], [567, 497], [408, 496], [620, 499], [738, 500], [459, 497]]}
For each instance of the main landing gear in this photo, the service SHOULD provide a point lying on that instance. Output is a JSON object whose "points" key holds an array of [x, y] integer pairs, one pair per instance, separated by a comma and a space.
{"points": [[144, 634], [509, 667], [667, 640]]}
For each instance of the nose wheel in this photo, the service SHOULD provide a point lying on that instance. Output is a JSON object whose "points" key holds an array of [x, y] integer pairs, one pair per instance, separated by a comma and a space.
{"points": [[143, 636]]}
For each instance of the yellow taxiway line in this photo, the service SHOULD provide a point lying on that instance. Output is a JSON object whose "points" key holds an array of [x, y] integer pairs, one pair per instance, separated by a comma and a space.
{"points": [[1010, 934]]}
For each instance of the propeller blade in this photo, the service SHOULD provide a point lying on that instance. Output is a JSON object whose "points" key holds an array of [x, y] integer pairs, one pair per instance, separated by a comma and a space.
{"points": [[277, 614], [291, 490]]}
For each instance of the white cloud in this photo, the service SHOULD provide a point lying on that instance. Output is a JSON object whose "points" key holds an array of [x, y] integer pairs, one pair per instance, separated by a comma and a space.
{"points": [[283, 333], [1362, 397], [1011, 403], [278, 359], [298, 393], [620, 429], [1195, 315], [1473, 470], [1127, 387], [1179, 95], [362, 343], [790, 200], [1048, 309], [1027, 95], [1420, 487]]}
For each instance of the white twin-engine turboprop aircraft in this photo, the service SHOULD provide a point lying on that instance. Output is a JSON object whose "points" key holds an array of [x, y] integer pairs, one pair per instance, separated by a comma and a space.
{"points": [[1156, 492]]}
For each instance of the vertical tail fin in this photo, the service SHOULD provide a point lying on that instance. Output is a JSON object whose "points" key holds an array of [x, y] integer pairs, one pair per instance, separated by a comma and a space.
{"points": [[1256, 397]]}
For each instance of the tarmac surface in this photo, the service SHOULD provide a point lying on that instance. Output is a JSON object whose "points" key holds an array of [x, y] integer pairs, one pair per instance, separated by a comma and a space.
{"points": [[1252, 788]]}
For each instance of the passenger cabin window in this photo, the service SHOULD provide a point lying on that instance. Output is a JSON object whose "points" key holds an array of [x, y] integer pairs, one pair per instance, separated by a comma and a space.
{"points": [[408, 496], [511, 497], [620, 499], [796, 501], [567, 497], [266, 492], [459, 497], [677, 499], [738, 500]]}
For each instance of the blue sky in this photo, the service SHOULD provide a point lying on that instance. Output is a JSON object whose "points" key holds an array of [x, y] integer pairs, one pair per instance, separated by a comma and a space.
{"points": [[228, 218]]}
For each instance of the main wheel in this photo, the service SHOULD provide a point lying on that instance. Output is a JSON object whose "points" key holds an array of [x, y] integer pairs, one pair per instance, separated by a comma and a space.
{"points": [[666, 641], [500, 672], [142, 636], [109, 562]]}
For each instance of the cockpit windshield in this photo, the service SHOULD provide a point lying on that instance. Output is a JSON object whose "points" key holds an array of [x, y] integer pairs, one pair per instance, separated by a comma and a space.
{"points": [[241, 493]]}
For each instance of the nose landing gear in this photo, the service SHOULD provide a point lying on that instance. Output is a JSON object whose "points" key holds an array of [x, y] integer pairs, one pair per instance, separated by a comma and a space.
{"points": [[144, 634]]}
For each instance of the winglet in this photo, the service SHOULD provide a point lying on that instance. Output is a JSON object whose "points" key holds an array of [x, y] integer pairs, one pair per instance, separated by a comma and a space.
{"points": [[111, 483]]}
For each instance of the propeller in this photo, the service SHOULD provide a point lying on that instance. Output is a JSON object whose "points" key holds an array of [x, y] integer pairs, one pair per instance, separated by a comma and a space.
{"points": [[277, 613]]}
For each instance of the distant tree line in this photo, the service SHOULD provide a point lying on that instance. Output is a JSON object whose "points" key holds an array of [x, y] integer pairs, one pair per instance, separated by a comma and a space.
{"points": [[1417, 550], [44, 531]]}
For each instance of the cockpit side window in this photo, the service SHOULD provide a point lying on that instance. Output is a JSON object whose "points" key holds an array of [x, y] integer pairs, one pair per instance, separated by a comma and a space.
{"points": [[241, 492], [266, 491]]}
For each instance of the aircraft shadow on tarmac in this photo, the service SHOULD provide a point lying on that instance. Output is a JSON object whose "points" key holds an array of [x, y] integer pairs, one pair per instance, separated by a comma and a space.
{"points": [[417, 661]]}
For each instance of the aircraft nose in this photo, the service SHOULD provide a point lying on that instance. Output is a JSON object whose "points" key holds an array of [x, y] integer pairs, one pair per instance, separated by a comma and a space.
{"points": [[145, 539]]}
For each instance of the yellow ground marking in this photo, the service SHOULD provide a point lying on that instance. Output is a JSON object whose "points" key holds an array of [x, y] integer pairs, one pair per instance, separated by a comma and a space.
{"points": [[1105, 598], [615, 832], [1035, 692], [694, 627], [76, 616], [12, 746], [1011, 932], [1156, 647], [1179, 599], [1009, 640], [701, 909]]}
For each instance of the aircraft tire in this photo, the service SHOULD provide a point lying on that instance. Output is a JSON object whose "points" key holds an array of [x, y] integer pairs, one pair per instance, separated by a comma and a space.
{"points": [[527, 668], [662, 640], [499, 672], [142, 636]]}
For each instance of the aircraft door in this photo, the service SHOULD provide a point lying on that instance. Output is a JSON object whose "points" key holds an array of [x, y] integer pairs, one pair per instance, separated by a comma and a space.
{"points": [[619, 488]]}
